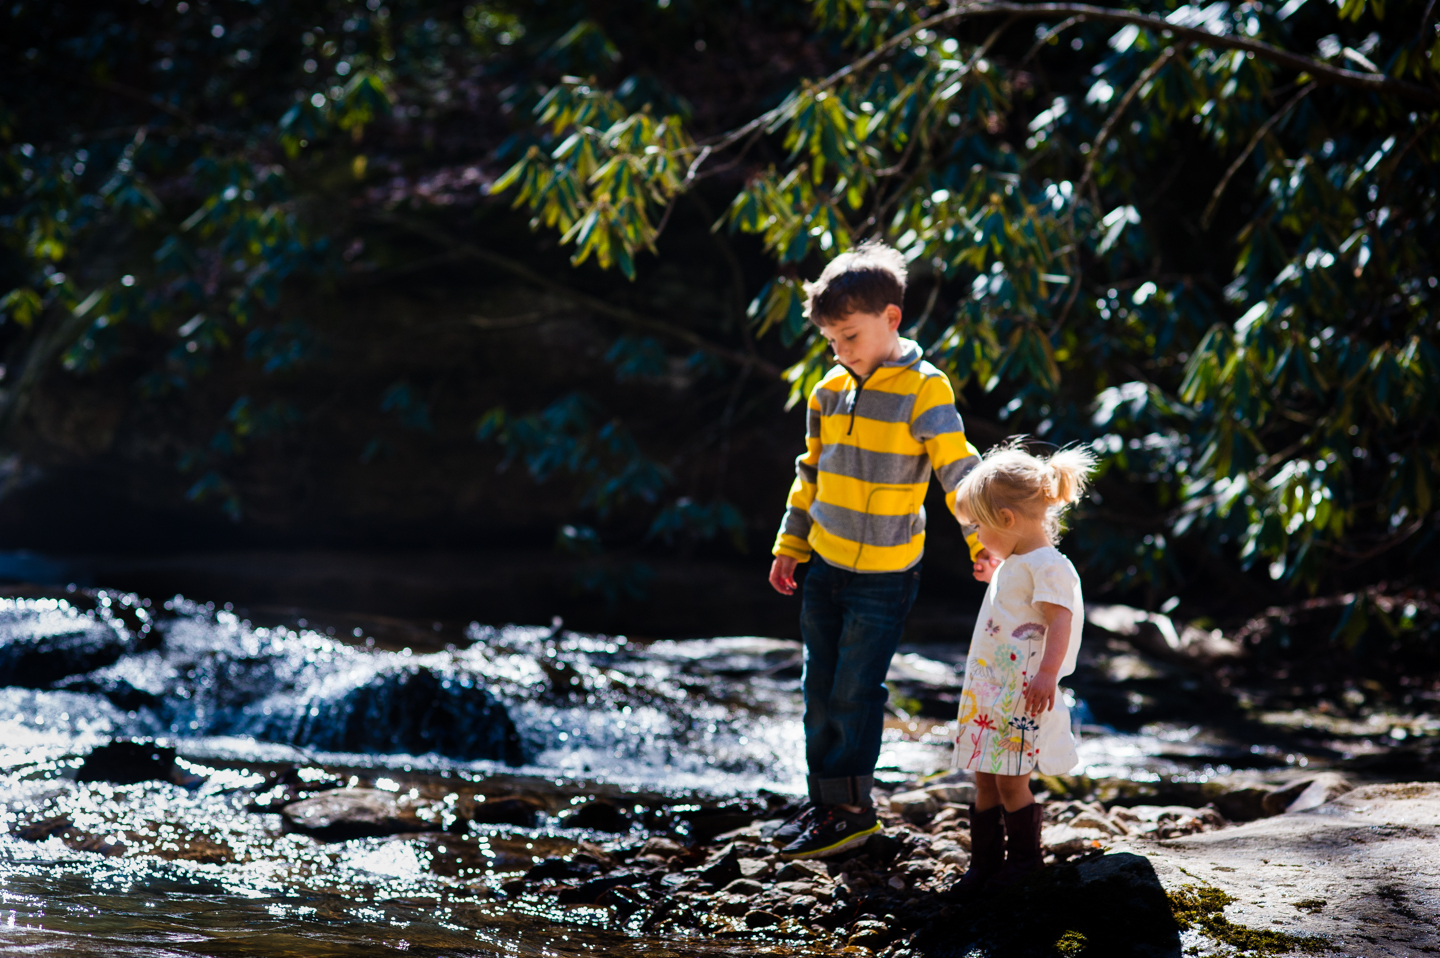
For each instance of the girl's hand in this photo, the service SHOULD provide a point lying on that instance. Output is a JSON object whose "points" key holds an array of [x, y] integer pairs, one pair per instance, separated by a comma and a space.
{"points": [[985, 566], [1040, 693]]}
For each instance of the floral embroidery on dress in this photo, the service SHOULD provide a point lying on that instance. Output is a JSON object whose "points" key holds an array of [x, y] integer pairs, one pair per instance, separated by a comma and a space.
{"points": [[1030, 631]]}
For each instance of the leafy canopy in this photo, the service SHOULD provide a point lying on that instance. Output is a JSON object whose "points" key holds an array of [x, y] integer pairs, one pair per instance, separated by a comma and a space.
{"points": [[1198, 238]]}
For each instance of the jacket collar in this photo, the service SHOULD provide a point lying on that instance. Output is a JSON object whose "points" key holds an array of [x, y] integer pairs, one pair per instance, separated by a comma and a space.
{"points": [[910, 354]]}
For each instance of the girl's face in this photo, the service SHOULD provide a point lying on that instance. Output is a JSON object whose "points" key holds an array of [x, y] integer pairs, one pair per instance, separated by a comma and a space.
{"points": [[999, 541], [1019, 532]]}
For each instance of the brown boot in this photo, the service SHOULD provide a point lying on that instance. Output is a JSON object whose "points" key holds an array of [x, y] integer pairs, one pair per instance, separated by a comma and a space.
{"points": [[1023, 855], [987, 851]]}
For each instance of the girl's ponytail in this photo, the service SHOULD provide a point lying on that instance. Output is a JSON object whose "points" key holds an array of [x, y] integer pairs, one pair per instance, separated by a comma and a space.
{"points": [[1071, 470], [1011, 478]]}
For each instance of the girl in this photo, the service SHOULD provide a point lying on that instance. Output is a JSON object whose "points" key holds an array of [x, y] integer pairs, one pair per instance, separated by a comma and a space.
{"points": [[1026, 638]]}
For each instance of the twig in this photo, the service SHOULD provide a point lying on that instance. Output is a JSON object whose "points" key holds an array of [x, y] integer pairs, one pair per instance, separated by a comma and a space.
{"points": [[592, 303], [1114, 118], [1245, 154], [1049, 35]]}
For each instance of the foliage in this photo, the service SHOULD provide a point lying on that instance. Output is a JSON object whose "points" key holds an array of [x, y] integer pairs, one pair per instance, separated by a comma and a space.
{"points": [[1259, 353], [198, 175], [1195, 237]]}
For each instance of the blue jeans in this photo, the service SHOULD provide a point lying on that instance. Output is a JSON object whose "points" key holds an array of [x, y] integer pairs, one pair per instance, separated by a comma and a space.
{"points": [[851, 623]]}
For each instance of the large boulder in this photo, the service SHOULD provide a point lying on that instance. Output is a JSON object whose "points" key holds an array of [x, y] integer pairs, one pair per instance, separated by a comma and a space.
{"points": [[1360, 871], [414, 711], [42, 642]]}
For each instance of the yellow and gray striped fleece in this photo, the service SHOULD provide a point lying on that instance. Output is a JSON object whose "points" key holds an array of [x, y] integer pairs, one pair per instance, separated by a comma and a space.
{"points": [[859, 492]]}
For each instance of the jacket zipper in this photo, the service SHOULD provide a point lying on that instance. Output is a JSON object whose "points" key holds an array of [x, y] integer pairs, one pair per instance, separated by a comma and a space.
{"points": [[859, 385]]}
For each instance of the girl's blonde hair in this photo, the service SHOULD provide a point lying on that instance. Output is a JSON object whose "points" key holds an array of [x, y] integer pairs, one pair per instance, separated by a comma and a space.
{"points": [[1011, 478]]}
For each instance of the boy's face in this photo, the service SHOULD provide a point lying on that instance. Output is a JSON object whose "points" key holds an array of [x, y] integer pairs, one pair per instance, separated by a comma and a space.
{"points": [[862, 341]]}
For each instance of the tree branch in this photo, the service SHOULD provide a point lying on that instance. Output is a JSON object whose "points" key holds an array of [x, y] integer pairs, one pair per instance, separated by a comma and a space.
{"points": [[1244, 154], [1319, 71], [594, 304]]}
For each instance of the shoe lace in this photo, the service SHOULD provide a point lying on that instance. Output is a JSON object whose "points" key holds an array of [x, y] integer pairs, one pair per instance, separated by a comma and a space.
{"points": [[824, 816], [805, 809]]}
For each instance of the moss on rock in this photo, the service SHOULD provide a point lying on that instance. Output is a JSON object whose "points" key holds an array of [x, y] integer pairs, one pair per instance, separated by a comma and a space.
{"points": [[1202, 908]]}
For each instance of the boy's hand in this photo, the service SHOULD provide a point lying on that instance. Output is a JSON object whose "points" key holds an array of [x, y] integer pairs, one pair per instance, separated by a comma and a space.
{"points": [[985, 566], [1040, 693], [782, 575]]}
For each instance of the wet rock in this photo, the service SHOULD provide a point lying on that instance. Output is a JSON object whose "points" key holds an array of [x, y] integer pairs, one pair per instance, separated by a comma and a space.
{"points": [[128, 763], [1098, 822], [625, 900], [121, 693], [1325, 787], [197, 849], [1066, 841], [805, 870], [881, 847], [415, 711], [761, 919], [916, 806], [39, 646], [754, 832], [958, 793], [577, 866], [799, 906], [949, 852], [952, 816], [597, 815], [290, 785], [106, 845], [743, 887], [507, 810], [681, 882], [731, 906], [868, 933], [1156, 634], [754, 867], [589, 892], [708, 822], [660, 847], [349, 813], [1243, 804], [723, 869], [43, 829]]}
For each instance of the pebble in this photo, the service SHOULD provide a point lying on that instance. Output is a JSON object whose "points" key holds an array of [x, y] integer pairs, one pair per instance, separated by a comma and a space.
{"points": [[743, 887]]}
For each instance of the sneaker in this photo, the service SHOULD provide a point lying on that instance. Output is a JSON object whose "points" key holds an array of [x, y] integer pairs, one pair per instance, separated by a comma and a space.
{"points": [[830, 831], [792, 827]]}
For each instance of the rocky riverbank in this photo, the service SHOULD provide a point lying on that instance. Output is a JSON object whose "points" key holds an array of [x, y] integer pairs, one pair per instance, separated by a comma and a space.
{"points": [[172, 771], [1336, 871]]}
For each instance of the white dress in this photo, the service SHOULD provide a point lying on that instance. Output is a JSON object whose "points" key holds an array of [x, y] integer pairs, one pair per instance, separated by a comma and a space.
{"points": [[995, 735]]}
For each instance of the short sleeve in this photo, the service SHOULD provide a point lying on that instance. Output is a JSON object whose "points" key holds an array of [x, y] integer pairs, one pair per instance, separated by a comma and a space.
{"points": [[1055, 583]]}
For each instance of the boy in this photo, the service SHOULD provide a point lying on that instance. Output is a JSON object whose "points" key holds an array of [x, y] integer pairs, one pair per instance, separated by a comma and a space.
{"points": [[879, 421]]}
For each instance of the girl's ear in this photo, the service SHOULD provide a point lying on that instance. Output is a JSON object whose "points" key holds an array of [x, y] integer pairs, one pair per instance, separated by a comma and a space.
{"points": [[1008, 515]]}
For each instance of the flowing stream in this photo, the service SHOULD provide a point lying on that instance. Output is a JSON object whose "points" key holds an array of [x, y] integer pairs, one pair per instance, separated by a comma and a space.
{"points": [[567, 743]]}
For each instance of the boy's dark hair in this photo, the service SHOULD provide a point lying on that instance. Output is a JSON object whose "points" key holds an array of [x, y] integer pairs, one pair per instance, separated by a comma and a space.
{"points": [[864, 280]]}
